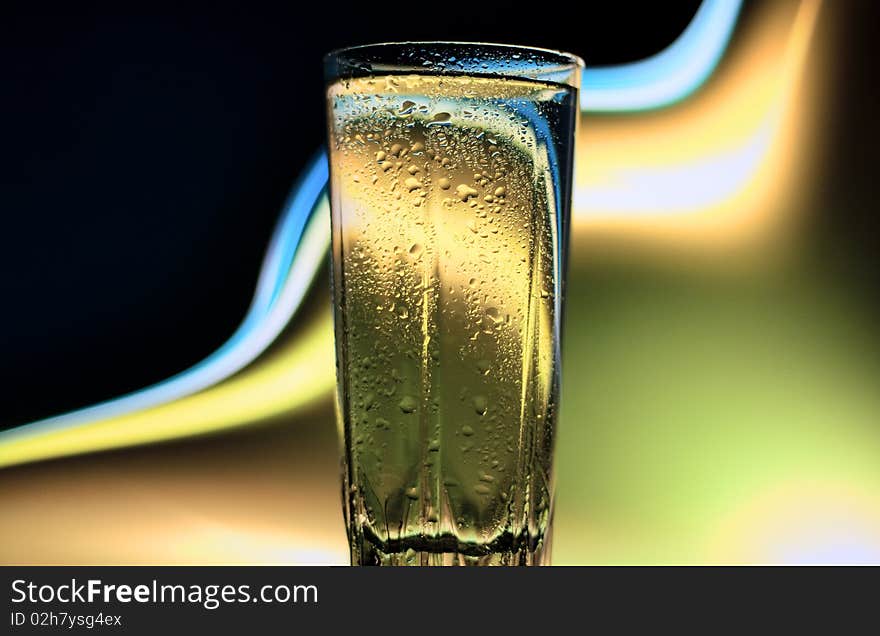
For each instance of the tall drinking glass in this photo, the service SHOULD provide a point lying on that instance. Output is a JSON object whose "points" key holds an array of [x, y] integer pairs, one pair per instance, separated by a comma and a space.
{"points": [[451, 171]]}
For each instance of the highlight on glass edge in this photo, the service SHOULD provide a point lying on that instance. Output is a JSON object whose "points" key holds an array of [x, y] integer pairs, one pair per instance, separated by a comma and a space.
{"points": [[450, 184]]}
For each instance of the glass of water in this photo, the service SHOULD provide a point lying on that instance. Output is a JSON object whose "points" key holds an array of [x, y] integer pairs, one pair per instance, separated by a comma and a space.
{"points": [[451, 176]]}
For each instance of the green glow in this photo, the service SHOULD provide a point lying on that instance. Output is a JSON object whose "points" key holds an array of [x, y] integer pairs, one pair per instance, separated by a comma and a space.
{"points": [[686, 398]]}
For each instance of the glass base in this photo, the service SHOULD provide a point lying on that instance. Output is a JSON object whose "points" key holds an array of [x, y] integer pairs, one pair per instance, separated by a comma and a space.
{"points": [[423, 551]]}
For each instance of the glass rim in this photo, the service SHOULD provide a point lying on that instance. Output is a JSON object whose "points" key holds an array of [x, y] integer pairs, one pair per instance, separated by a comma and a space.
{"points": [[441, 57]]}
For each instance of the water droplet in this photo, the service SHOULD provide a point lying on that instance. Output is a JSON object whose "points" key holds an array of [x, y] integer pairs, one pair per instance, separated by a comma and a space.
{"points": [[406, 107], [412, 169], [481, 404], [417, 147], [440, 119], [380, 156], [500, 191], [369, 401], [482, 489], [465, 192], [434, 446], [381, 422], [494, 315], [412, 493], [408, 404], [412, 184], [415, 250], [467, 430], [483, 366], [444, 183]]}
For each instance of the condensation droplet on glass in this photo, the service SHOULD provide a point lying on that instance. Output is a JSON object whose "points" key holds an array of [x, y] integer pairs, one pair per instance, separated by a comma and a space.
{"points": [[440, 119], [408, 404], [465, 192], [481, 404], [494, 315]]}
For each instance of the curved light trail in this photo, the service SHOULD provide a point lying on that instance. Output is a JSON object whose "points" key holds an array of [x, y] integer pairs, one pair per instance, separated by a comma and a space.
{"points": [[704, 171], [292, 259], [182, 405], [671, 75]]}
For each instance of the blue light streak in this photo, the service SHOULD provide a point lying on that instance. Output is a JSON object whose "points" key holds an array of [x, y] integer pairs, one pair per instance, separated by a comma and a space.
{"points": [[669, 76], [288, 269]]}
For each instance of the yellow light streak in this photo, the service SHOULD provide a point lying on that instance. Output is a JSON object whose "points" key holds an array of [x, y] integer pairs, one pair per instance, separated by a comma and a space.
{"points": [[293, 377], [719, 169]]}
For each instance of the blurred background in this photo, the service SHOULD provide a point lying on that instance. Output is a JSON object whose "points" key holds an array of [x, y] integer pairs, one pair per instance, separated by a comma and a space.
{"points": [[163, 239]]}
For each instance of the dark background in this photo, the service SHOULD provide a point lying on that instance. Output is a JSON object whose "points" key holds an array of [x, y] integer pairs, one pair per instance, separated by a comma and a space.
{"points": [[146, 154]]}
